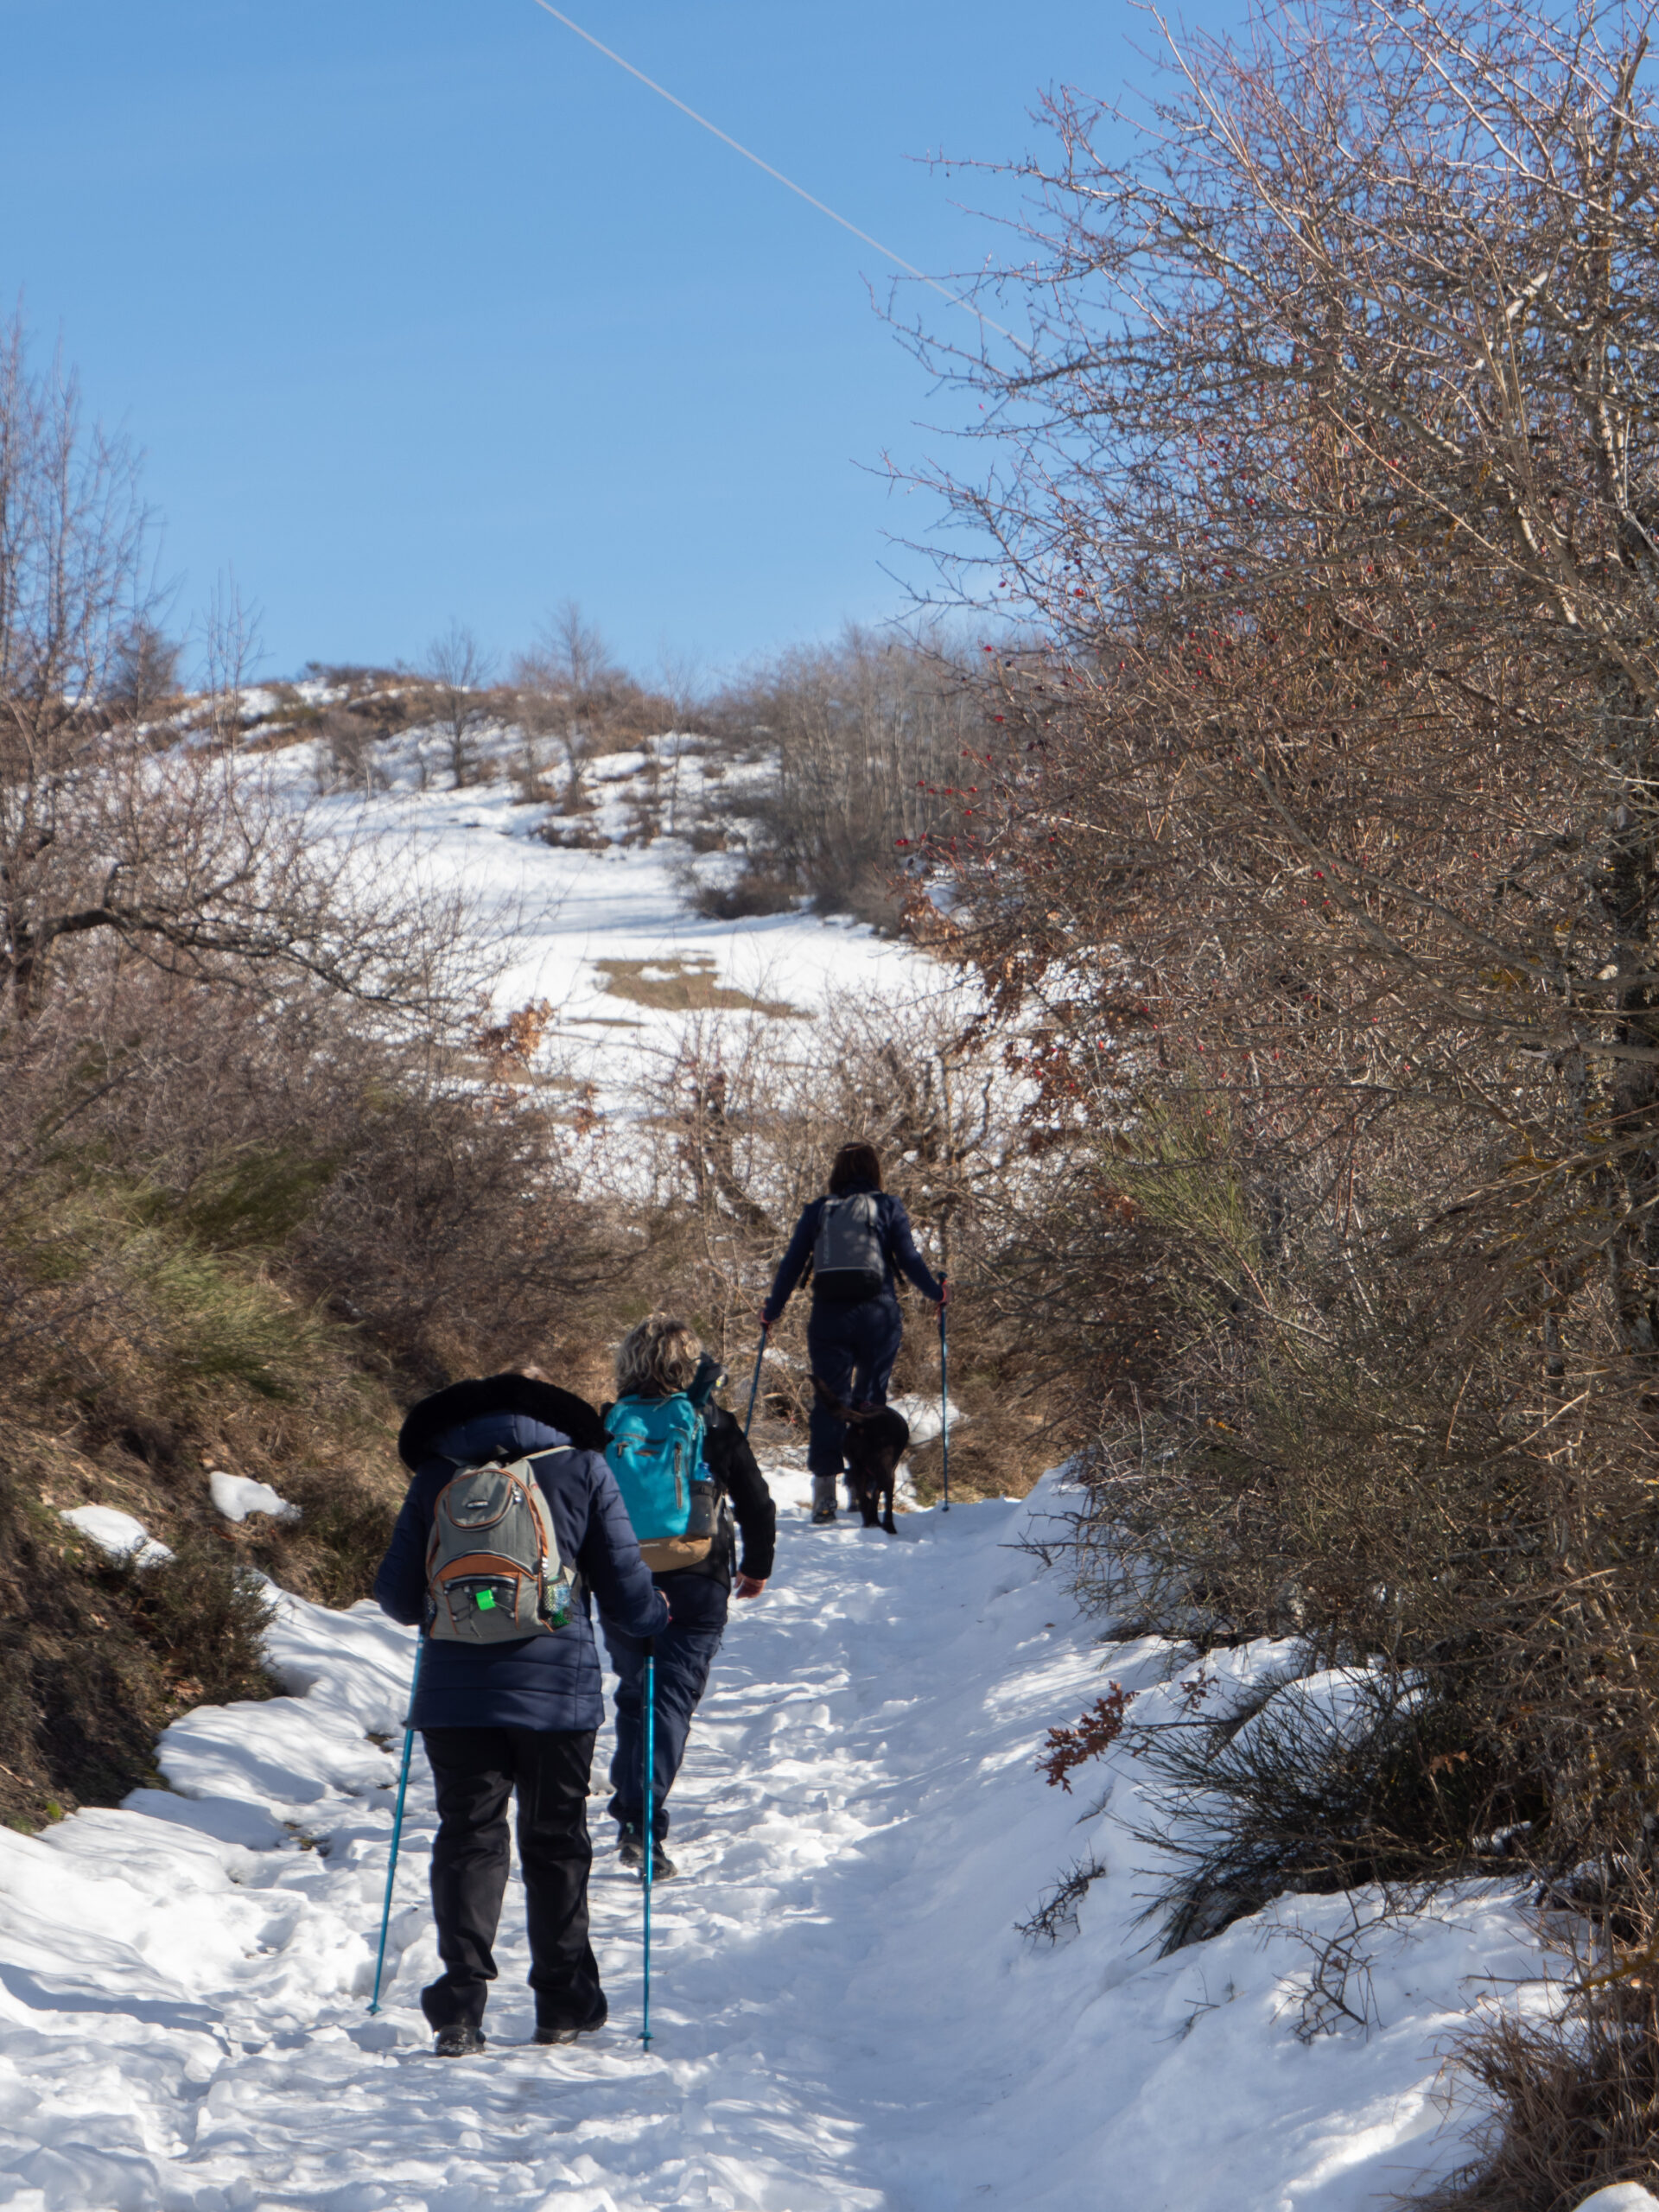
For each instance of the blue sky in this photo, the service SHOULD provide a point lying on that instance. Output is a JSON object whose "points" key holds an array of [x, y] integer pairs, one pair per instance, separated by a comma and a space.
{"points": [[426, 312]]}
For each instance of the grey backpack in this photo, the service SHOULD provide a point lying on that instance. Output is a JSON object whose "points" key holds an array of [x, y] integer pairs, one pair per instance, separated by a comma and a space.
{"points": [[848, 1261], [493, 1568]]}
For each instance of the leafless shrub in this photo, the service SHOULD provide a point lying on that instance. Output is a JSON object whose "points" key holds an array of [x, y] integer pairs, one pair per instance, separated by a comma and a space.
{"points": [[1572, 2094], [580, 836], [1341, 1988], [860, 739], [457, 675], [1055, 1919], [1317, 852], [1321, 847], [1308, 1790], [231, 651], [144, 671], [186, 857], [350, 740], [572, 691], [752, 891]]}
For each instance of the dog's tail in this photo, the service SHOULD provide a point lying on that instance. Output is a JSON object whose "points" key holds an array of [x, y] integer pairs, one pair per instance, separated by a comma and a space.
{"points": [[828, 1397]]}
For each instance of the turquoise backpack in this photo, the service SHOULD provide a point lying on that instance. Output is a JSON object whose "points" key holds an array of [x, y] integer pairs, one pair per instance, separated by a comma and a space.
{"points": [[654, 1449]]}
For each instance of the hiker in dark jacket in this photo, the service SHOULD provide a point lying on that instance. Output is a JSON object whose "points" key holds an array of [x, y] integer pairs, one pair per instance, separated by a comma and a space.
{"points": [[656, 1358], [520, 1715], [855, 1330]]}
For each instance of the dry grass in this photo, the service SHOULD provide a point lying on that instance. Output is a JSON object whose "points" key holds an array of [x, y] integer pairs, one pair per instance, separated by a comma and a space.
{"points": [[688, 985], [1576, 2103]]}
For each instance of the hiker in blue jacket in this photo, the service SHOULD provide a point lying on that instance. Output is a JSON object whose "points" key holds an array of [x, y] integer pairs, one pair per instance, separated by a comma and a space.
{"points": [[658, 1358], [518, 1715], [856, 1239]]}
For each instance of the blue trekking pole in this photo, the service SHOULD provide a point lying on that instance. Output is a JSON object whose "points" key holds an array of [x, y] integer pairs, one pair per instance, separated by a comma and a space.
{"points": [[944, 1405], [755, 1383], [649, 1839], [397, 1822]]}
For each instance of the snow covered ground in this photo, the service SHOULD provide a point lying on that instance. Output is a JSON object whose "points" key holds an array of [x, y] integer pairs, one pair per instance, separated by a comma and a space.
{"points": [[605, 934], [846, 2018]]}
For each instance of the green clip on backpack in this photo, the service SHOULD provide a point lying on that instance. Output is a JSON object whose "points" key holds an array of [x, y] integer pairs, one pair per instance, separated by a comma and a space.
{"points": [[655, 1451], [493, 1568]]}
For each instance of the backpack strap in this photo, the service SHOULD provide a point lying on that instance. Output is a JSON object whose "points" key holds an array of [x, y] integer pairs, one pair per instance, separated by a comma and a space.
{"points": [[533, 1460]]}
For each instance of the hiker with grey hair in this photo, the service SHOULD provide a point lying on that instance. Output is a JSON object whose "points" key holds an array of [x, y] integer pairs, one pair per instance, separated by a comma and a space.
{"points": [[658, 1361]]}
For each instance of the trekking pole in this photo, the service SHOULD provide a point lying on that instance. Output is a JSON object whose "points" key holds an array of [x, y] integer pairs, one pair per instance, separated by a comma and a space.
{"points": [[944, 1407], [397, 1822], [755, 1384], [649, 1839]]}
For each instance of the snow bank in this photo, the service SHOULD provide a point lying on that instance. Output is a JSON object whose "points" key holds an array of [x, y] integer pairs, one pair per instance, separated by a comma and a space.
{"points": [[846, 2019], [926, 1415], [116, 1533], [236, 1495]]}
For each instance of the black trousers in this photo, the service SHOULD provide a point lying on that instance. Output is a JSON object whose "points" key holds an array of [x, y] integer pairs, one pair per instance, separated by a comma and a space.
{"points": [[475, 1770]]}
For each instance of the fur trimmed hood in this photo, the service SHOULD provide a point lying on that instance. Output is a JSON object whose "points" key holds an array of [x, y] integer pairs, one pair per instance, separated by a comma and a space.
{"points": [[497, 1394]]}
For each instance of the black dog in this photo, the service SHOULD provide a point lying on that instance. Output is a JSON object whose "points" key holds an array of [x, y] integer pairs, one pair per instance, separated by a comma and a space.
{"points": [[877, 1440]]}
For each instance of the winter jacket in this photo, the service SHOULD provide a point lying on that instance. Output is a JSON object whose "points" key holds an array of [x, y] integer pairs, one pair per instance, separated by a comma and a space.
{"points": [[700, 1595], [734, 1468], [537, 1682], [897, 1249]]}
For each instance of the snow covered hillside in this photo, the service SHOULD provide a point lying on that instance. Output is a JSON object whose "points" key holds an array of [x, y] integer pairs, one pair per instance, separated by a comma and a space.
{"points": [[601, 929], [846, 2017]]}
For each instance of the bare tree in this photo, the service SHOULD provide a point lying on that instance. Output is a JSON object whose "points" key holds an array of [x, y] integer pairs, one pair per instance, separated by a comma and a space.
{"points": [[680, 683], [231, 652], [1319, 851], [189, 858], [569, 684], [73, 535], [144, 669], [459, 669], [863, 737]]}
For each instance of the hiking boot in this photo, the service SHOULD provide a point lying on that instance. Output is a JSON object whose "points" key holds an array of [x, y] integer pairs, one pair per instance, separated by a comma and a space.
{"points": [[823, 1516], [630, 1849], [459, 2040], [568, 2035]]}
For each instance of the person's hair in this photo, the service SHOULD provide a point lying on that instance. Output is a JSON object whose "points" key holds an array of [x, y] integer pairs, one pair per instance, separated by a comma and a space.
{"points": [[854, 1163], [658, 1357]]}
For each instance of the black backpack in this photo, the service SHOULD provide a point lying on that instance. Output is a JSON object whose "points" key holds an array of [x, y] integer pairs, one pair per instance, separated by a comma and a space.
{"points": [[849, 1260]]}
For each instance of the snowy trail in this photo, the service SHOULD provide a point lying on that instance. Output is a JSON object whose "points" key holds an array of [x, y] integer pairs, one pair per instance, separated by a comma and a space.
{"points": [[846, 2018]]}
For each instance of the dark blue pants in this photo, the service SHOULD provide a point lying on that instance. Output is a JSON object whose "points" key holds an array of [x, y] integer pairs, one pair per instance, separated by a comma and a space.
{"points": [[852, 1348], [684, 1658]]}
